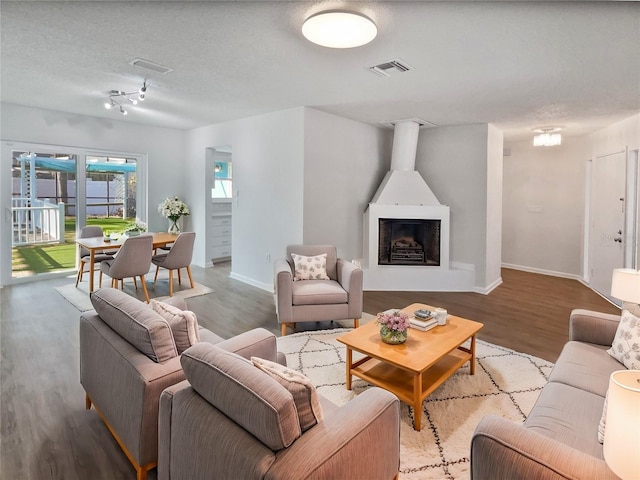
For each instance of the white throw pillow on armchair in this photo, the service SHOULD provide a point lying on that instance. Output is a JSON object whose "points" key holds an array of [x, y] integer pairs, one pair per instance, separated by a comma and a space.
{"points": [[310, 268]]}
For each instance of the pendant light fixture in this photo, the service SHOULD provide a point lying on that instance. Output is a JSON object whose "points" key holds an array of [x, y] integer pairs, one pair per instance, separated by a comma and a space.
{"points": [[339, 29], [547, 137]]}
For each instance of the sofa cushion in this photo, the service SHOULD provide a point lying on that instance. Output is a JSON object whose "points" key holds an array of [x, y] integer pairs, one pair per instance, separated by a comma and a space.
{"points": [[318, 292], [626, 344], [243, 393], [303, 391], [310, 268], [569, 415], [603, 419], [136, 322], [183, 323], [586, 366]]}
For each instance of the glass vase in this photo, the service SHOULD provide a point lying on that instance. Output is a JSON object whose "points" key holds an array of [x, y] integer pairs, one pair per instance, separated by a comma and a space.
{"points": [[393, 337], [174, 229]]}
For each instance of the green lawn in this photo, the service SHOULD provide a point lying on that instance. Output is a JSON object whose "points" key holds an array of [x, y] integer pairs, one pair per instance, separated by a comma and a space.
{"points": [[31, 260]]}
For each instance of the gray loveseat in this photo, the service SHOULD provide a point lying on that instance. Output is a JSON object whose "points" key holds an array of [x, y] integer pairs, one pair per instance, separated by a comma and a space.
{"points": [[128, 356], [559, 439]]}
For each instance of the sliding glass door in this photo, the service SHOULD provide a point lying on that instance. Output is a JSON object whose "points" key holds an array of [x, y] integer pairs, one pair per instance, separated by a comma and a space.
{"points": [[43, 209], [52, 193]]}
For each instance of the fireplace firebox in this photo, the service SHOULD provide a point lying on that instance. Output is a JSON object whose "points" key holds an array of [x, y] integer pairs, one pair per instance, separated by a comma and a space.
{"points": [[408, 242]]}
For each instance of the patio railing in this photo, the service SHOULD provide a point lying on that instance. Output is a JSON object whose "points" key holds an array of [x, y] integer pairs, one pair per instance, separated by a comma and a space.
{"points": [[37, 221]]}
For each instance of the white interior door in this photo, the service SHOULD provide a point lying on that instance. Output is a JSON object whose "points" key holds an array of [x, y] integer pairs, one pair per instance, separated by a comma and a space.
{"points": [[607, 220]]}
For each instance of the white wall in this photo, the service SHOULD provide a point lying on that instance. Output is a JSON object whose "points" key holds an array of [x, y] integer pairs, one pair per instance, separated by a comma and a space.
{"points": [[161, 148], [454, 163], [543, 206], [616, 137], [164, 147], [493, 276], [268, 157], [344, 163]]}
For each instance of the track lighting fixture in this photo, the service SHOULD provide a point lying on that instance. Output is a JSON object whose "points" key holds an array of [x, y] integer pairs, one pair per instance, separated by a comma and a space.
{"points": [[118, 97]]}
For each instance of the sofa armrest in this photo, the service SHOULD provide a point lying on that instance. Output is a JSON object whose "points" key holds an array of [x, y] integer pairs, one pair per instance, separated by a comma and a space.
{"points": [[284, 290], [593, 327], [504, 450], [254, 343], [350, 277], [164, 427], [124, 385], [334, 448]]}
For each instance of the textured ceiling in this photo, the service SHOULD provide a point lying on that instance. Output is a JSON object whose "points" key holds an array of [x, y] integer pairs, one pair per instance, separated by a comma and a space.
{"points": [[518, 65]]}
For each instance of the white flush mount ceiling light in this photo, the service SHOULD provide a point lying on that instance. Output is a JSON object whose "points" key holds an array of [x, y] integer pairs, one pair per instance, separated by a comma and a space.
{"points": [[118, 99], [547, 137], [339, 29]]}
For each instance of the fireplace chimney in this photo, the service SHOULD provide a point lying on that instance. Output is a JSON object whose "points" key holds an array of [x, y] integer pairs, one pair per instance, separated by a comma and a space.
{"points": [[403, 185], [405, 145]]}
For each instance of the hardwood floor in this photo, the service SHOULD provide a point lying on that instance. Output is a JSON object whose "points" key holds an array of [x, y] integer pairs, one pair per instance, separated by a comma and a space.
{"points": [[47, 433]]}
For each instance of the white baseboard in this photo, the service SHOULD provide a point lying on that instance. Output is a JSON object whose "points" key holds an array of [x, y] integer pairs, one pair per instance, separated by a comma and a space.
{"points": [[541, 271], [250, 281], [490, 288]]}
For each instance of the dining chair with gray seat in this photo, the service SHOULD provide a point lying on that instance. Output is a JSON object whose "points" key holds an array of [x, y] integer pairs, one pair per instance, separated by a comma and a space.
{"points": [[91, 231], [178, 257], [133, 260]]}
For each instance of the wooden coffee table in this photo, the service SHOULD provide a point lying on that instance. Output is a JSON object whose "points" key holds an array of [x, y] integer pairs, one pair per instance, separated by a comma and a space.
{"points": [[417, 367]]}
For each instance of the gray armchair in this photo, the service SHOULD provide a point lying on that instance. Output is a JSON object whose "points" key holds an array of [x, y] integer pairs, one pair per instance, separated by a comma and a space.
{"points": [[132, 260], [230, 420], [178, 257], [338, 298], [128, 357]]}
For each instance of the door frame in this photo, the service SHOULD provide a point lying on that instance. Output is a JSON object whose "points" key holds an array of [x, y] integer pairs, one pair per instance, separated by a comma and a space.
{"points": [[631, 213], [81, 154]]}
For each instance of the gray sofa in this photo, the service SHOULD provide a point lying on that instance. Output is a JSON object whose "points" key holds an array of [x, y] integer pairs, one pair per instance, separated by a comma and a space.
{"points": [[128, 356], [559, 439], [230, 420]]}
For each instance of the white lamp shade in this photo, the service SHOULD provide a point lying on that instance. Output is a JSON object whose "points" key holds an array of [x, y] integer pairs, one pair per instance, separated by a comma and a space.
{"points": [[622, 427], [339, 29], [625, 285]]}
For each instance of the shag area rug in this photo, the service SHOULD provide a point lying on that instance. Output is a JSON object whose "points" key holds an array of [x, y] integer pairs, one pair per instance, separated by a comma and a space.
{"points": [[506, 383], [79, 297]]}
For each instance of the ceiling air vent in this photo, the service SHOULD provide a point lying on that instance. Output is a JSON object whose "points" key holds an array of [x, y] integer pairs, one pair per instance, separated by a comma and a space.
{"points": [[154, 67], [386, 68]]}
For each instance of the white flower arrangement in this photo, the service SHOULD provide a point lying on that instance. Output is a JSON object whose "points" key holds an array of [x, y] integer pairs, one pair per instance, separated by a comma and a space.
{"points": [[136, 227], [173, 208]]}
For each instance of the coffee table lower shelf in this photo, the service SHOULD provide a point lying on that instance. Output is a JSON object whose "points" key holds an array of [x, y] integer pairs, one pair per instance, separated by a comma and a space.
{"points": [[410, 387]]}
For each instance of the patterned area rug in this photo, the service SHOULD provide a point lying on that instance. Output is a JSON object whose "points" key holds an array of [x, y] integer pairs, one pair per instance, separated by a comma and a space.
{"points": [[79, 297], [506, 383]]}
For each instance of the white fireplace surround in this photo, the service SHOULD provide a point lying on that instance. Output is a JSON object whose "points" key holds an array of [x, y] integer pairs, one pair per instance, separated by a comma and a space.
{"points": [[403, 194]]}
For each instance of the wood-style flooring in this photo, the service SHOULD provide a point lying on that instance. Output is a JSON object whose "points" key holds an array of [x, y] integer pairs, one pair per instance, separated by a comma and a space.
{"points": [[48, 434]]}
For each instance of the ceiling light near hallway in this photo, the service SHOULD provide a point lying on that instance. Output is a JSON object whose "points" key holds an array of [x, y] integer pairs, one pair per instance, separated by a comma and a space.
{"points": [[335, 29], [547, 137]]}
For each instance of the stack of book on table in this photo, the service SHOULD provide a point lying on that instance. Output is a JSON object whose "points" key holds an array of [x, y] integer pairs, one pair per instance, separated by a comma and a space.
{"points": [[423, 324]]}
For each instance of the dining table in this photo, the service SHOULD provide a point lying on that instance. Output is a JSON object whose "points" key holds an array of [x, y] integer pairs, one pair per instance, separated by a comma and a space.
{"points": [[99, 244]]}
